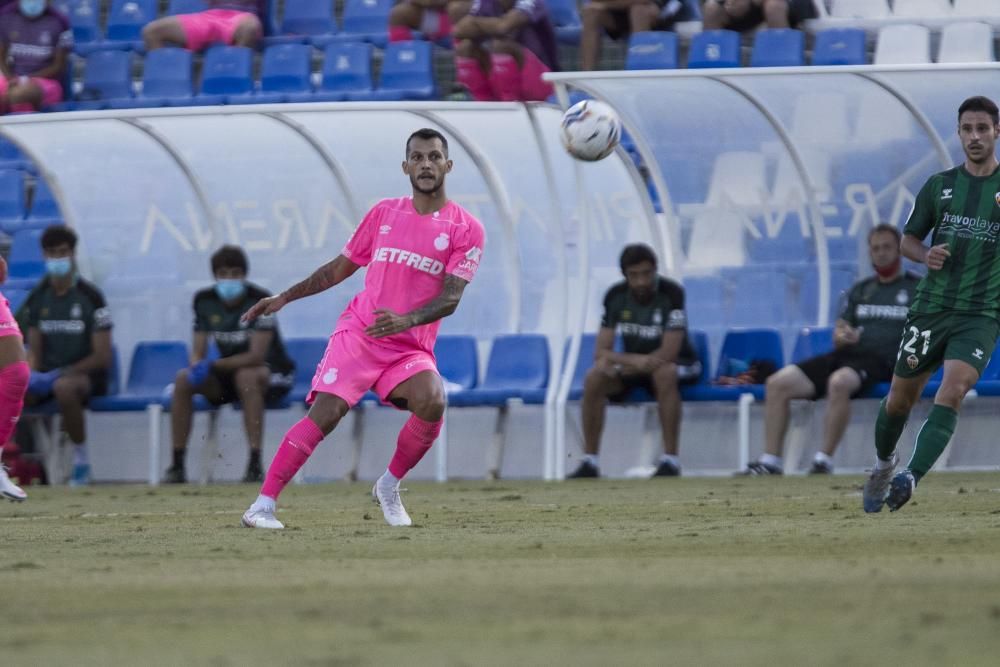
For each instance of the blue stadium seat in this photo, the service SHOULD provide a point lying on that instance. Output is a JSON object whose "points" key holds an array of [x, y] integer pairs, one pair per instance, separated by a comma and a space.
{"points": [[347, 73], [458, 360], [84, 18], [656, 49], [518, 367], [714, 48], [25, 264], [11, 156], [367, 21], [108, 76], [44, 208], [227, 70], [565, 18], [841, 280], [840, 46], [760, 296], [704, 300], [778, 48], [166, 80], [285, 76], [126, 20], [306, 353], [154, 366], [186, 7], [11, 199], [407, 72], [304, 20], [744, 346], [812, 342]]}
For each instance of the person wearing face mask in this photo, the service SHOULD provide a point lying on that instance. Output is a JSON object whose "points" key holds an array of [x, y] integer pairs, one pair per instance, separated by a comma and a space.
{"points": [[68, 332], [252, 365], [35, 43], [865, 339]]}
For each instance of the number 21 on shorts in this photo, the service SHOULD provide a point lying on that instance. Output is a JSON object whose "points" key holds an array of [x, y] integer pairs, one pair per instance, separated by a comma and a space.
{"points": [[910, 340]]}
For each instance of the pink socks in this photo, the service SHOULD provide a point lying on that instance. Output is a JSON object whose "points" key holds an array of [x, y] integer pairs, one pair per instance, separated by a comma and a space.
{"points": [[299, 443], [469, 74], [13, 383], [415, 438], [505, 77]]}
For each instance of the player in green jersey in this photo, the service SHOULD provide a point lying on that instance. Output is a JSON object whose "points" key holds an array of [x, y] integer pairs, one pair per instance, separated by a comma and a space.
{"points": [[954, 318]]}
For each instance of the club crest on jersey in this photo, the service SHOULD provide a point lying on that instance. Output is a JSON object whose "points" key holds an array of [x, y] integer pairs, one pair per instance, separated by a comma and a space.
{"points": [[76, 311], [903, 297], [657, 316], [441, 242], [912, 361]]}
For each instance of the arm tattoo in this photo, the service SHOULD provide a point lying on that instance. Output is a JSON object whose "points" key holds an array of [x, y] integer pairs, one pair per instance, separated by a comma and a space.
{"points": [[322, 278], [443, 304]]}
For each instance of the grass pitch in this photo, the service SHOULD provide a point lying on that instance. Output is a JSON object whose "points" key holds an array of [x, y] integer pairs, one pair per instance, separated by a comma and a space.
{"points": [[654, 572]]}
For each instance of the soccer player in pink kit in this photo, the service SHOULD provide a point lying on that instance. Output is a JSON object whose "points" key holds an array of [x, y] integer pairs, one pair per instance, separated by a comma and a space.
{"points": [[421, 252], [14, 374]]}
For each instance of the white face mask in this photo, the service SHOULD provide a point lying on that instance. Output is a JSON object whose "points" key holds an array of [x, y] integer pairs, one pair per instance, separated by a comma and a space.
{"points": [[32, 8]]}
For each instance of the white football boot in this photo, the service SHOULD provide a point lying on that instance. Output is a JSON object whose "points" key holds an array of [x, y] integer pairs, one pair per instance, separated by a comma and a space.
{"points": [[9, 489], [258, 517], [387, 496]]}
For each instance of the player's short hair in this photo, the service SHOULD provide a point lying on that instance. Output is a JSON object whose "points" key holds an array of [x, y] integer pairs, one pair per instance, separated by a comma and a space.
{"points": [[427, 134], [885, 228], [229, 257], [980, 103], [636, 253], [57, 235]]}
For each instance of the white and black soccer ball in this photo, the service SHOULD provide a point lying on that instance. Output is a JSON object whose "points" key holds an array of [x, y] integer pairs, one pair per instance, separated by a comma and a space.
{"points": [[590, 130]]}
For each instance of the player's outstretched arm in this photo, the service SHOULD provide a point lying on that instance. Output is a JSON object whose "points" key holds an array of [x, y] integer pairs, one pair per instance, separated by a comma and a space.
{"points": [[335, 271], [444, 304]]}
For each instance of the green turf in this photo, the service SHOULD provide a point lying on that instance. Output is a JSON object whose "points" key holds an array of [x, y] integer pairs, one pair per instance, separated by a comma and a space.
{"points": [[688, 572]]}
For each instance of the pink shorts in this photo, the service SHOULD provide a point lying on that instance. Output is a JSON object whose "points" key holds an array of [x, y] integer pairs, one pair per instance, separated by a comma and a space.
{"points": [[532, 86], [213, 25], [52, 92], [8, 325], [354, 363]]}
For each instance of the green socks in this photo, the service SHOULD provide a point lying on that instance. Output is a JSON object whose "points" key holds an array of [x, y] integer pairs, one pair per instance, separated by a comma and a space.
{"points": [[932, 439], [887, 432]]}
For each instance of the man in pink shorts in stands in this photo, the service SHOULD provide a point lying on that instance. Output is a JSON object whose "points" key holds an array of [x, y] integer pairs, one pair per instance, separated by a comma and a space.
{"points": [[421, 251], [35, 41], [231, 22], [502, 49], [14, 373]]}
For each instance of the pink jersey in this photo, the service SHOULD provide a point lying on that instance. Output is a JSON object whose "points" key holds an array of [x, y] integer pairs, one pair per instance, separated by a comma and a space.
{"points": [[8, 325], [408, 256]]}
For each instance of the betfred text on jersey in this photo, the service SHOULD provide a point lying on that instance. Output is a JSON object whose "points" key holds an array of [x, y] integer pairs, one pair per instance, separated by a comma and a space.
{"points": [[411, 259]]}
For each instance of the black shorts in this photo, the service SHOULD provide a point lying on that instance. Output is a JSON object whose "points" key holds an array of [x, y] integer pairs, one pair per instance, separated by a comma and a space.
{"points": [[686, 374], [622, 28], [871, 368], [278, 388], [798, 11], [98, 387]]}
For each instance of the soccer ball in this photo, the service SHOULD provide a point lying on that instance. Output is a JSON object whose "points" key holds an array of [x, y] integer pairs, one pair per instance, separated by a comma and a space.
{"points": [[590, 130]]}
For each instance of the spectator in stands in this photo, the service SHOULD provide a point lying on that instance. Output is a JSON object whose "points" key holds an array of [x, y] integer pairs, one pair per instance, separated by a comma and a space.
{"points": [[742, 15], [647, 310], [503, 48], [35, 42], [68, 327], [233, 22], [252, 366], [865, 340], [620, 18], [434, 18]]}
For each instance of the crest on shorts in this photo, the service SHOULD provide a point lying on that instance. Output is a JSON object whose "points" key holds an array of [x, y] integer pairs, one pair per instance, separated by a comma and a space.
{"points": [[912, 361], [330, 376]]}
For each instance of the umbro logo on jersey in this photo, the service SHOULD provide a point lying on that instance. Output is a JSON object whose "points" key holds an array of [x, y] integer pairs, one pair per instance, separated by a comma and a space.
{"points": [[385, 229], [978, 354], [946, 193]]}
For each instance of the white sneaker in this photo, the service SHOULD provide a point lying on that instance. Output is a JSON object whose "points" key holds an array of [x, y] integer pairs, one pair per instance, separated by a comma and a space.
{"points": [[261, 518], [392, 507], [9, 489]]}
